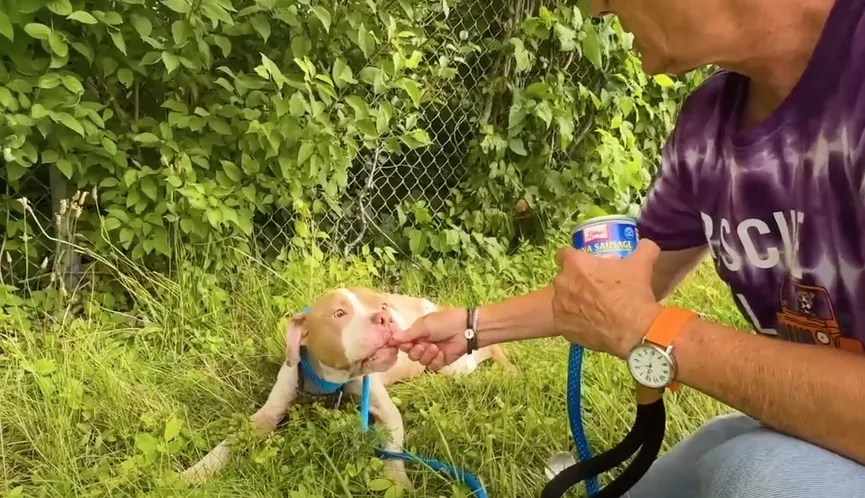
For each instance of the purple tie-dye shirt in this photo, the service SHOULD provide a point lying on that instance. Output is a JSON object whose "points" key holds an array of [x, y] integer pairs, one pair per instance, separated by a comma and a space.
{"points": [[781, 204]]}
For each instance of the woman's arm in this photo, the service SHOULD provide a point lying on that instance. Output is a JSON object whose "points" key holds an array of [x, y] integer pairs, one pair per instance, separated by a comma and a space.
{"points": [[531, 316], [814, 393], [524, 317]]}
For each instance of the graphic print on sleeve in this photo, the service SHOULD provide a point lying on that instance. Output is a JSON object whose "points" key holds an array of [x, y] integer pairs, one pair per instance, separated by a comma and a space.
{"points": [[780, 205]]}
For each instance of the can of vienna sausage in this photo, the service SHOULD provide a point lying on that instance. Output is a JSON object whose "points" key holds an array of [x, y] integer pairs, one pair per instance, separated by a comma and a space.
{"points": [[613, 236]]}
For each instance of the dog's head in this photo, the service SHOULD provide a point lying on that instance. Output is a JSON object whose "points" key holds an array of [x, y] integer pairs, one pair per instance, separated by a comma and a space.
{"points": [[806, 301], [346, 332]]}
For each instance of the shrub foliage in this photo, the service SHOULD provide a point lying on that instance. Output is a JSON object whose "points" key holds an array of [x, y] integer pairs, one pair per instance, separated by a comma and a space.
{"points": [[195, 120]]}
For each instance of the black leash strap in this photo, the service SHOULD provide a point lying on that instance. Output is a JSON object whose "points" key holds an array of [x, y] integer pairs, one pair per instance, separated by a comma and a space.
{"points": [[645, 439]]}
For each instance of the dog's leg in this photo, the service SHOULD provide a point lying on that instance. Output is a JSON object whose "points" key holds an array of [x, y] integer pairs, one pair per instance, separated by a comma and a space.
{"points": [[386, 414], [467, 364], [284, 391], [498, 355]]}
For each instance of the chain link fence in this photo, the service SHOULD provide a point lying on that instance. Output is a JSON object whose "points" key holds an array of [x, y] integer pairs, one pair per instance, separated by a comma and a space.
{"points": [[380, 185], [22, 249]]}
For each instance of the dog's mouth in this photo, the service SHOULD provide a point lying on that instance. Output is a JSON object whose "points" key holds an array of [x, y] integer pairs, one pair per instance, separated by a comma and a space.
{"points": [[383, 354]]}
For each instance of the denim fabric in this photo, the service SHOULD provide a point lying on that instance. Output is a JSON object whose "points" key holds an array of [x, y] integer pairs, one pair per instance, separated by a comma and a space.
{"points": [[733, 456]]}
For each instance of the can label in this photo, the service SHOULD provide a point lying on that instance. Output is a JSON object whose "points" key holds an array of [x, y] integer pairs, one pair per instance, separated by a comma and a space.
{"points": [[607, 236]]}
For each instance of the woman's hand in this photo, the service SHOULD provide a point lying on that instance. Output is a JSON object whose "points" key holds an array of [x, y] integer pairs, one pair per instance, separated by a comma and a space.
{"points": [[435, 340], [605, 304]]}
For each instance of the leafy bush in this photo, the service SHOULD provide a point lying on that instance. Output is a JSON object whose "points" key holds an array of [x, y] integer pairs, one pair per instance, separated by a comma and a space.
{"points": [[194, 121]]}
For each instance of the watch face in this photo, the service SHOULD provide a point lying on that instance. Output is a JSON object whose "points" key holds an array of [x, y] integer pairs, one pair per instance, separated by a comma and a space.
{"points": [[650, 366]]}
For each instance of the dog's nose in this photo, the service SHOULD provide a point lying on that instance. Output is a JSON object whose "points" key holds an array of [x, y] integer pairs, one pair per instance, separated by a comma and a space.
{"points": [[381, 318]]}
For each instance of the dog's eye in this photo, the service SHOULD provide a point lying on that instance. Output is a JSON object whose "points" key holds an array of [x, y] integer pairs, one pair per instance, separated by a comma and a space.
{"points": [[338, 313], [384, 306]]}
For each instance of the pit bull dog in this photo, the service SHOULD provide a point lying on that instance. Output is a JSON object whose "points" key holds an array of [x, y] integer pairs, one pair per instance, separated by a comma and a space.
{"points": [[341, 338]]}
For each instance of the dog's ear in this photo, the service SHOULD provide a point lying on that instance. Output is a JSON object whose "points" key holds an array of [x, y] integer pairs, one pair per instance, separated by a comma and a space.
{"points": [[295, 333]]}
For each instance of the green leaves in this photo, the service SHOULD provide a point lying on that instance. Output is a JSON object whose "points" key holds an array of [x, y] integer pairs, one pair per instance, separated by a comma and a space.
{"points": [[37, 31], [567, 37], [110, 18], [58, 44], [416, 138], [592, 45], [524, 58], [171, 62], [663, 80], [232, 171], [180, 32], [365, 40], [146, 138], [301, 228], [49, 81], [223, 43], [69, 121], [72, 84], [7, 100], [269, 70], [342, 74], [172, 429], [412, 88], [297, 104], [516, 145], [261, 26], [42, 367], [146, 444], [6, 28], [82, 17], [125, 77], [304, 152], [56, 41], [65, 167], [60, 7], [220, 126], [379, 484], [148, 186], [142, 25], [119, 41], [323, 16], [179, 6]]}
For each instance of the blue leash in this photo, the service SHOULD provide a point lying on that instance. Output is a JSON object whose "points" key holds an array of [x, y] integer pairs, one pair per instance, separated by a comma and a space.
{"points": [[575, 416], [469, 480], [326, 387]]}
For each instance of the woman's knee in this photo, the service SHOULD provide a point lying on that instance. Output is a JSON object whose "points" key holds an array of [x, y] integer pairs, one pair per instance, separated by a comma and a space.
{"points": [[674, 474], [766, 464]]}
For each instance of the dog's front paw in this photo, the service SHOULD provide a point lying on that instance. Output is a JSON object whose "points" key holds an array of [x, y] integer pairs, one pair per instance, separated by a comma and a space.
{"points": [[208, 466], [194, 476], [395, 471]]}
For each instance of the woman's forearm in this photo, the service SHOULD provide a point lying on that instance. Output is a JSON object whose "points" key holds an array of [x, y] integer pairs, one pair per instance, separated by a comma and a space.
{"points": [[523, 317], [531, 316], [816, 393]]}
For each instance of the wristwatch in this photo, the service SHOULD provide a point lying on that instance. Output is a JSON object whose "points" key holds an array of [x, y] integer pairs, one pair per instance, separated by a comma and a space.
{"points": [[652, 362]]}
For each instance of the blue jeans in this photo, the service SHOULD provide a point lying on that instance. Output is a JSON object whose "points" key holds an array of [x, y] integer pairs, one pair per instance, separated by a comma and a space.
{"points": [[734, 456]]}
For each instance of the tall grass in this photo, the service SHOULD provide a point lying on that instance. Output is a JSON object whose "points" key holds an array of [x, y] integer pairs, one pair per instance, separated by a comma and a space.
{"points": [[102, 403]]}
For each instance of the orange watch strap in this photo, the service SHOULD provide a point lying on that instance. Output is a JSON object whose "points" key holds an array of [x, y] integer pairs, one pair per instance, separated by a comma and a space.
{"points": [[666, 327]]}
